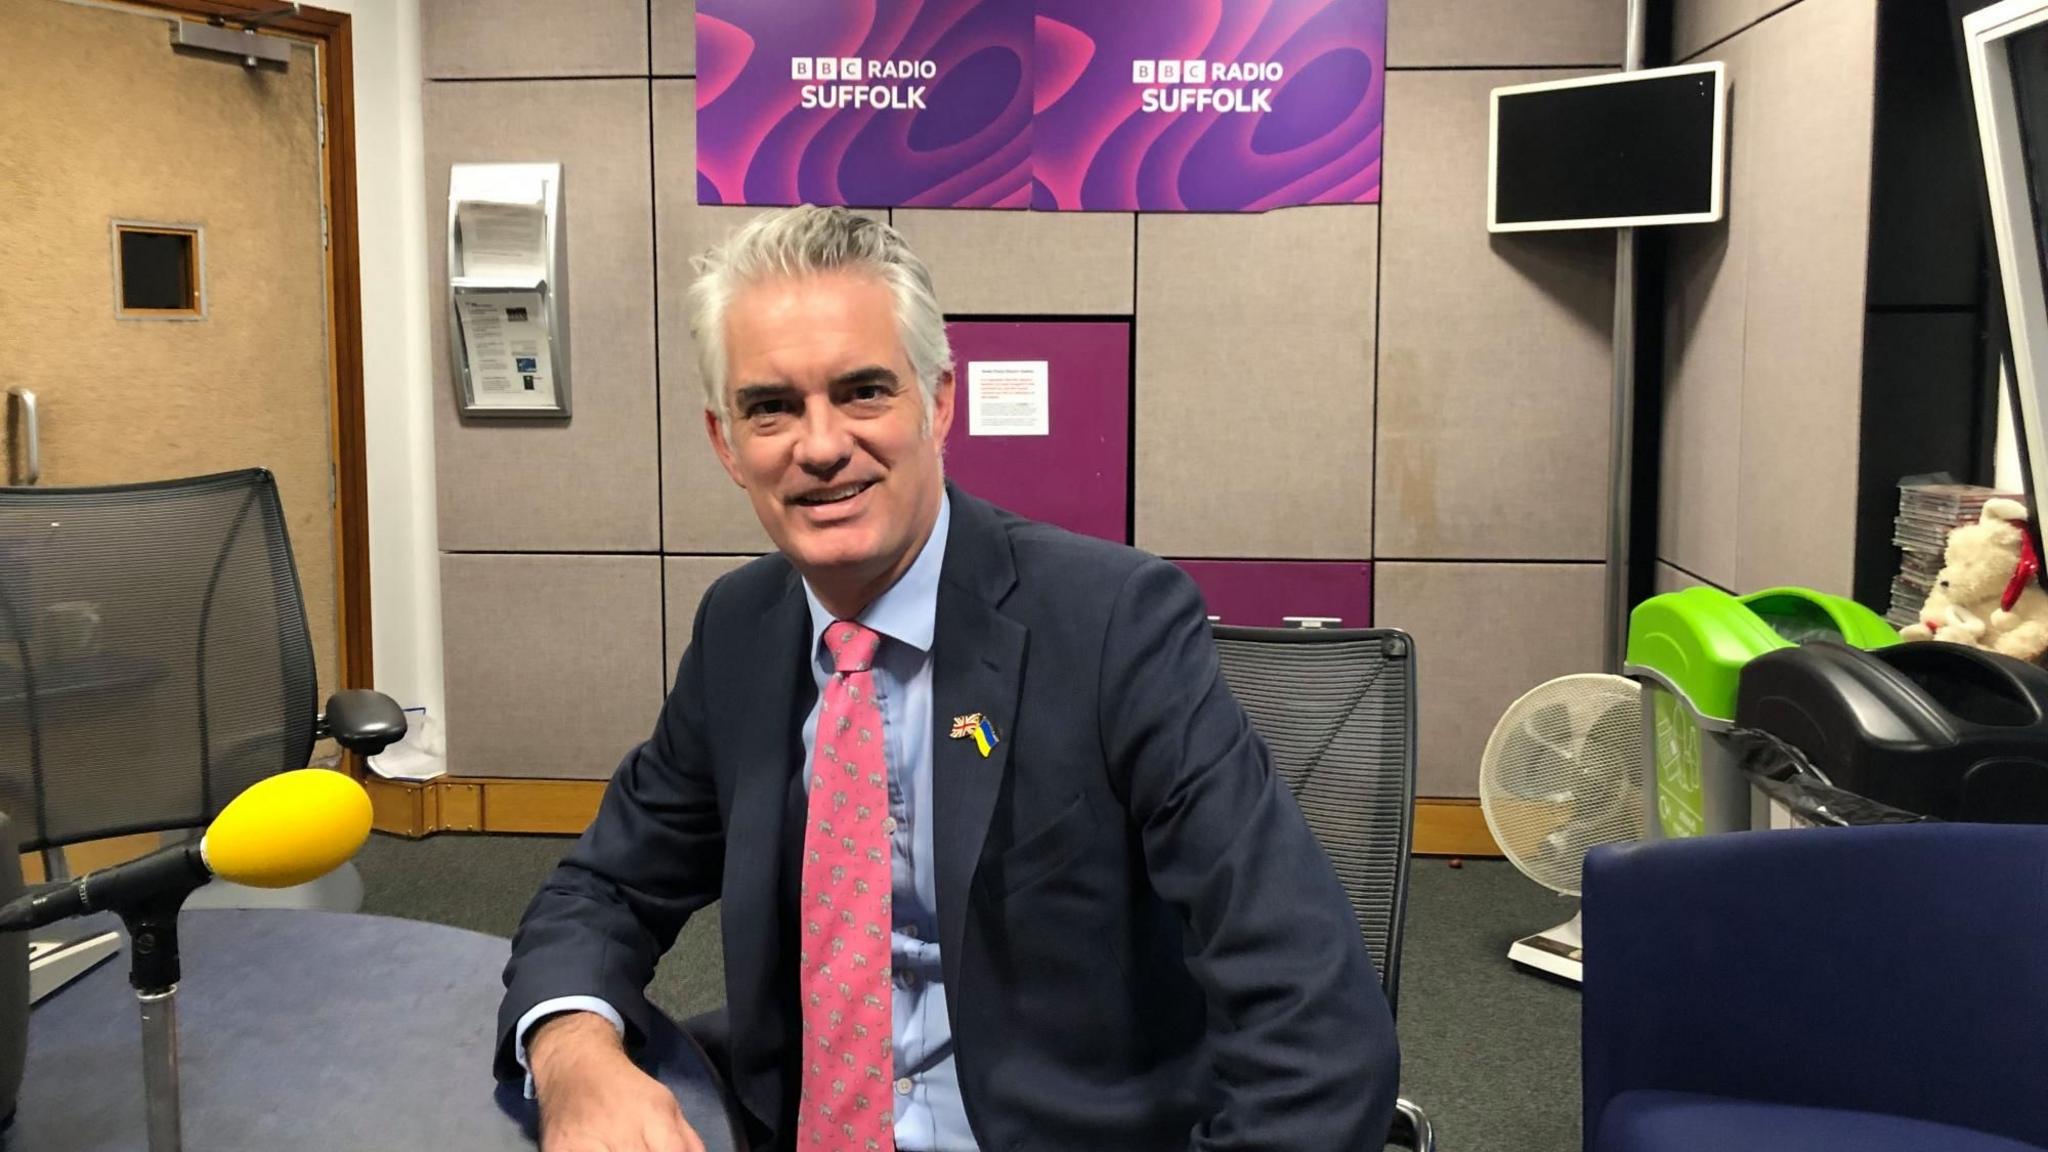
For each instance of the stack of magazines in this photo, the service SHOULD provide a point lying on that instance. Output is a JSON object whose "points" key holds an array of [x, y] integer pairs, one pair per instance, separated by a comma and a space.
{"points": [[1926, 513]]}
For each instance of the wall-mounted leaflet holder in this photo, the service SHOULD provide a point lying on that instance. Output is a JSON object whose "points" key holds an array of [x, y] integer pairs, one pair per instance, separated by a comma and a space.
{"points": [[508, 290]]}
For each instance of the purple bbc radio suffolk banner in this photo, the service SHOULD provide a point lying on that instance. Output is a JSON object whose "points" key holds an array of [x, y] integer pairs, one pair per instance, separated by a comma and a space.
{"points": [[1208, 105], [1057, 105], [937, 110]]}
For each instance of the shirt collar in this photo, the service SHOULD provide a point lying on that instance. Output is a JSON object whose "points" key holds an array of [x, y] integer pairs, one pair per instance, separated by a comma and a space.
{"points": [[908, 611]]}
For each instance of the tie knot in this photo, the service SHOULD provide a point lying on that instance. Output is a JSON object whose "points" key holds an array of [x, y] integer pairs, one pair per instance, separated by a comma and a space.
{"points": [[852, 646]]}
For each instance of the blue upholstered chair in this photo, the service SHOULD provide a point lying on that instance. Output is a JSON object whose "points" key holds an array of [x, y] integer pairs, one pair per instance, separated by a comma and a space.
{"points": [[1868, 988]]}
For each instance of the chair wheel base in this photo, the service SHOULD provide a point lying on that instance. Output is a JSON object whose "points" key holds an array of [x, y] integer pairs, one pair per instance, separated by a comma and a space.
{"points": [[1411, 1127]]}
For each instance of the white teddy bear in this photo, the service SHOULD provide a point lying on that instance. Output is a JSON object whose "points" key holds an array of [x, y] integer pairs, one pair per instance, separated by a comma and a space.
{"points": [[1989, 593]]}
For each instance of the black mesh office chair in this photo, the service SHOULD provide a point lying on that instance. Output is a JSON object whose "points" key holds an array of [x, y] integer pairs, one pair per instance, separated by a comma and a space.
{"points": [[1336, 707], [13, 982], [154, 662]]}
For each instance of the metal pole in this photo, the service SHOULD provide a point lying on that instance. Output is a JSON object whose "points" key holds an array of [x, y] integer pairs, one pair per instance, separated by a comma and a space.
{"points": [[1621, 451], [160, 1066], [1621, 433]]}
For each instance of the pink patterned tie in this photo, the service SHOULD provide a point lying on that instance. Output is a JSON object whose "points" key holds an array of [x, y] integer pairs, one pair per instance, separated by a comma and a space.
{"points": [[844, 964]]}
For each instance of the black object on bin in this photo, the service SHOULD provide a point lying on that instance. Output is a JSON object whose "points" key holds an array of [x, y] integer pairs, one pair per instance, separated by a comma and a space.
{"points": [[1784, 774], [1934, 729]]}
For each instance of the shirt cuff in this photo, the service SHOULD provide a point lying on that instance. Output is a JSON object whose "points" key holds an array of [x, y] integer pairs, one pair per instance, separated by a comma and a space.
{"points": [[547, 1008]]}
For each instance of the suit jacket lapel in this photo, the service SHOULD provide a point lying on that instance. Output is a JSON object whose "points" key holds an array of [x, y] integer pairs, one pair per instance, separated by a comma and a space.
{"points": [[978, 666], [769, 744]]}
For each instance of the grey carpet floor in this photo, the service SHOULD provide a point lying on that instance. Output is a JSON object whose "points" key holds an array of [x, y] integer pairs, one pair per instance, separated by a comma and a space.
{"points": [[1492, 1053]]}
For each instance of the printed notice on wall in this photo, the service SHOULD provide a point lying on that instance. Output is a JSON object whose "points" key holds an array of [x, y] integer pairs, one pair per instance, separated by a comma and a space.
{"points": [[502, 240], [1008, 398], [506, 338]]}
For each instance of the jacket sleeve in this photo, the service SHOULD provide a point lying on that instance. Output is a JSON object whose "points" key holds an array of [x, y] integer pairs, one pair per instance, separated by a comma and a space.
{"points": [[1299, 1032], [653, 856]]}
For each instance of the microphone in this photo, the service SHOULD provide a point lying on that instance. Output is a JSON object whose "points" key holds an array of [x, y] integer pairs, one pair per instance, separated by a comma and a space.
{"points": [[281, 831]]}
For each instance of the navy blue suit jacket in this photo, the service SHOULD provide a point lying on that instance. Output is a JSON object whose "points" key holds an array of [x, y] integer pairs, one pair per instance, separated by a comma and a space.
{"points": [[1144, 948]]}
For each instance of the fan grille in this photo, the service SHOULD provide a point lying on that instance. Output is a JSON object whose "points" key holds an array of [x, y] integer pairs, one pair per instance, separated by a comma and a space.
{"points": [[1563, 772]]}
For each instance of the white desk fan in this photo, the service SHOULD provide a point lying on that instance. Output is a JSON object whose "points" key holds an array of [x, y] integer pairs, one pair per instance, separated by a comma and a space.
{"points": [[1562, 773]]}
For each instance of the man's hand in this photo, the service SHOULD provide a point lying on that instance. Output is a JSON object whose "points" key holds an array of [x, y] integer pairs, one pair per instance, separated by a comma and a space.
{"points": [[593, 1098]]}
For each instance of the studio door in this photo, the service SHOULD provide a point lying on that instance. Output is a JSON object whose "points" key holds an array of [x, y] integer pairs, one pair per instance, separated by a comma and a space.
{"points": [[164, 284]]}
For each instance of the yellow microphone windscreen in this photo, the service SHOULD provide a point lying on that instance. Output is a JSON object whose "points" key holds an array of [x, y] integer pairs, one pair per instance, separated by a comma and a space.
{"points": [[288, 829]]}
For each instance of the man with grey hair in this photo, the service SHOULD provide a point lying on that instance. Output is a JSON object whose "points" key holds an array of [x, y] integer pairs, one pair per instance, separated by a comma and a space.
{"points": [[1000, 862]]}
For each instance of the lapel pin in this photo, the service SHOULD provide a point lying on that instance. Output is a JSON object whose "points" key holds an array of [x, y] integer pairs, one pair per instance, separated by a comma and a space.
{"points": [[978, 727]]}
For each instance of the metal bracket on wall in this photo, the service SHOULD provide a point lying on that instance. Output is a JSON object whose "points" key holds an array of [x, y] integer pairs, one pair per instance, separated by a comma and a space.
{"points": [[27, 436], [242, 43]]}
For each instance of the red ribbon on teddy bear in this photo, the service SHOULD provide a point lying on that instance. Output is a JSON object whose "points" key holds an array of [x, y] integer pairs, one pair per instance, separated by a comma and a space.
{"points": [[2023, 573]]}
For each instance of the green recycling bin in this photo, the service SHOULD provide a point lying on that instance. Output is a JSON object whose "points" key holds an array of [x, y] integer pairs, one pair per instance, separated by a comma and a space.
{"points": [[1687, 649]]}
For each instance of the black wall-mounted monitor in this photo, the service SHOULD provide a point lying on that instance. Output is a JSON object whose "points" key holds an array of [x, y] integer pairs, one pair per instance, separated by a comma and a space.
{"points": [[1620, 150]]}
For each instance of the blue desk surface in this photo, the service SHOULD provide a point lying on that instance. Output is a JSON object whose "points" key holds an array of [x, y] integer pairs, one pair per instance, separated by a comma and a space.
{"points": [[309, 1031]]}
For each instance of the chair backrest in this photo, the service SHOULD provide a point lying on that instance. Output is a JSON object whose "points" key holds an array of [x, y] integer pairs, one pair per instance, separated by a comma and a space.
{"points": [[154, 659], [1336, 707], [1892, 968], [13, 979]]}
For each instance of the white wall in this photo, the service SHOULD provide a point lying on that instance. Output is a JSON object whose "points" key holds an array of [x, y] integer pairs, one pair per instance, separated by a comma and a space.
{"points": [[2008, 477], [405, 586]]}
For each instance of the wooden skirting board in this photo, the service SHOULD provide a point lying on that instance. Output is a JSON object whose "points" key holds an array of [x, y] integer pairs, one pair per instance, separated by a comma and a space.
{"points": [[564, 807], [482, 804], [1452, 827]]}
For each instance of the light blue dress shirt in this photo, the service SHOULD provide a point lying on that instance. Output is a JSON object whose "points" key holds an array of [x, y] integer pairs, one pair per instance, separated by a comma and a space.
{"points": [[930, 1116]]}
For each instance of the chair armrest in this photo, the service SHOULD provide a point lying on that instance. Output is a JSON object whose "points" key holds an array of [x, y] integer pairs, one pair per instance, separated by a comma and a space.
{"points": [[1889, 969], [364, 722]]}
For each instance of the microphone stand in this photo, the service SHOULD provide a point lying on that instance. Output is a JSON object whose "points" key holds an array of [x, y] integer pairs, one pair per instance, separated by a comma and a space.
{"points": [[153, 972]]}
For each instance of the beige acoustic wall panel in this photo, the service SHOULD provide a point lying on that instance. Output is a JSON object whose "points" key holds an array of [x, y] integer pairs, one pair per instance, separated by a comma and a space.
{"points": [[673, 25], [684, 580], [1021, 263], [1700, 469], [1696, 24], [702, 509], [1495, 361], [1812, 74], [1669, 579], [1255, 383], [1706, 315], [1484, 634], [479, 39], [587, 484], [553, 662], [1504, 33]]}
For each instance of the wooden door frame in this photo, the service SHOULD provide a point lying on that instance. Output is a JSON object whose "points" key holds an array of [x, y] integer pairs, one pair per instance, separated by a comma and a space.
{"points": [[332, 31]]}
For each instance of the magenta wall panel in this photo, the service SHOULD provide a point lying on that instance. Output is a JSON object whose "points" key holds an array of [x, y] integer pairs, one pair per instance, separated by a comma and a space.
{"points": [[1076, 475], [1262, 593]]}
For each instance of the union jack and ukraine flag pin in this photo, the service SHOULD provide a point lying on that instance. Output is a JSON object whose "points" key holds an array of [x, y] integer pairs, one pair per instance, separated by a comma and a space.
{"points": [[979, 728]]}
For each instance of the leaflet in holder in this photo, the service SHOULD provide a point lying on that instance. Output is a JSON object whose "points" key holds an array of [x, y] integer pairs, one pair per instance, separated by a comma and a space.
{"points": [[507, 295], [505, 339]]}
